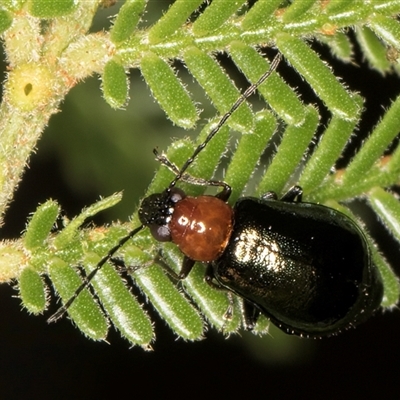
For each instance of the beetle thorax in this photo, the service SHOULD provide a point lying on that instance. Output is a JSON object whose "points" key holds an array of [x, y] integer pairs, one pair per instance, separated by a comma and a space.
{"points": [[201, 227]]}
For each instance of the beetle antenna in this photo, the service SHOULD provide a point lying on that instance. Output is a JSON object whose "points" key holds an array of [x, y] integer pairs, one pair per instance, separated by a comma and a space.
{"points": [[243, 97], [86, 282]]}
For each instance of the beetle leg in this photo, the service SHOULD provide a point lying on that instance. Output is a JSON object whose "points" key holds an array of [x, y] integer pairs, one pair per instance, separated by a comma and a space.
{"points": [[209, 278], [187, 266], [294, 194], [162, 263], [269, 196], [223, 195], [130, 269], [121, 266], [250, 315], [229, 312]]}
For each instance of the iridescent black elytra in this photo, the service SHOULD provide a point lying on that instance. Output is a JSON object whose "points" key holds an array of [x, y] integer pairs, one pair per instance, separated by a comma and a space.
{"points": [[305, 266]]}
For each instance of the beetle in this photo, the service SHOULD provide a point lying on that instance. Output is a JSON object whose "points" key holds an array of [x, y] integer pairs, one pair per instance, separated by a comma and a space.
{"points": [[305, 266]]}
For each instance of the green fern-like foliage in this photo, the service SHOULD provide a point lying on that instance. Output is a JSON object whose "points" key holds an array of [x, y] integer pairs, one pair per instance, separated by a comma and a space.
{"points": [[49, 50]]}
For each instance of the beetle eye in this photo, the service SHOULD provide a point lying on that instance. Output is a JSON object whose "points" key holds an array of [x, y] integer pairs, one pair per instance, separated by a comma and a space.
{"points": [[160, 232]]}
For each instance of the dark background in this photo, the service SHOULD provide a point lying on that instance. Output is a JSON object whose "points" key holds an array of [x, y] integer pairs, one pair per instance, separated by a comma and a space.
{"points": [[89, 150]]}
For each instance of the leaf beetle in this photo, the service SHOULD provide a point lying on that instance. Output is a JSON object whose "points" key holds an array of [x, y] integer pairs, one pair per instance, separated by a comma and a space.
{"points": [[307, 267]]}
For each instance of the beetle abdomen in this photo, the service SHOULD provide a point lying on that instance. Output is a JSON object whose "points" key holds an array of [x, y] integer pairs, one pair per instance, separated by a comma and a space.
{"points": [[305, 266]]}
